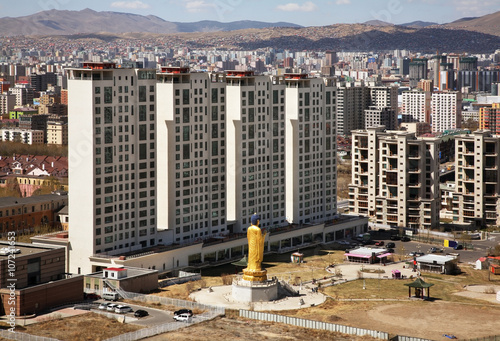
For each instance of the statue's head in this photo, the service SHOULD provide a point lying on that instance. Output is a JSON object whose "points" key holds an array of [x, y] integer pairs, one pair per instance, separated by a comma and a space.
{"points": [[255, 219]]}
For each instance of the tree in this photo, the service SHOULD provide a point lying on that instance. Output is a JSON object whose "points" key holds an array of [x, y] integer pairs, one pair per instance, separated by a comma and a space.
{"points": [[11, 189]]}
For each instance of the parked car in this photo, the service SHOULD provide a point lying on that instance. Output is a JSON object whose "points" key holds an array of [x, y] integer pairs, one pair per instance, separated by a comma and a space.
{"points": [[395, 237], [141, 313], [390, 245], [435, 250], [110, 296], [122, 309], [111, 307], [379, 243], [183, 311], [104, 306], [390, 250], [416, 254], [458, 247], [92, 296], [182, 317], [405, 239]]}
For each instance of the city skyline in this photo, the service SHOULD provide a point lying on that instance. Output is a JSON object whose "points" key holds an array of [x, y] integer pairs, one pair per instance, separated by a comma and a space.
{"points": [[305, 13]]}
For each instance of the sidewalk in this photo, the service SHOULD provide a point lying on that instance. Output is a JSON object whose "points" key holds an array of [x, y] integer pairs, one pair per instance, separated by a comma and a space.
{"points": [[222, 295]]}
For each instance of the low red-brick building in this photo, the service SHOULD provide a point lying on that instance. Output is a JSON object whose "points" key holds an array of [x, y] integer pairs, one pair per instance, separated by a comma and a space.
{"points": [[34, 278]]}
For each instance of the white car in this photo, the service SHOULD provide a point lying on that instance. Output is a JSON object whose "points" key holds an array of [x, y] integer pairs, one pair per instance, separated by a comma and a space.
{"points": [[103, 306], [111, 307], [183, 318], [122, 309]]}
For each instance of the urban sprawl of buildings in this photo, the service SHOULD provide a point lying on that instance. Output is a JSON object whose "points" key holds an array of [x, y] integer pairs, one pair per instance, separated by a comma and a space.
{"points": [[171, 150]]}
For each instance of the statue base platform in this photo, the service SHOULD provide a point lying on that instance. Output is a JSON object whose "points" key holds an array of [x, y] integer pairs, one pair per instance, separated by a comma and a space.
{"points": [[255, 275], [253, 291]]}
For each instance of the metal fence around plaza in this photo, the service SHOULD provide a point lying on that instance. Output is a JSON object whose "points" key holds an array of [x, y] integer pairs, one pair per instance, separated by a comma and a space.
{"points": [[23, 336], [299, 322]]}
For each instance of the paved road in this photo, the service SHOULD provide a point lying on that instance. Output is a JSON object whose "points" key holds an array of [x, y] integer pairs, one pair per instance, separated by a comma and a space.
{"points": [[156, 316], [466, 256]]}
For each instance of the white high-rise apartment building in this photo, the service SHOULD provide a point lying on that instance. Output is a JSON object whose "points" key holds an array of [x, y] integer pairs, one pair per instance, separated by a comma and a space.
{"points": [[311, 147], [395, 178], [112, 143], [446, 110], [477, 192], [384, 97], [201, 152], [191, 112], [255, 149], [416, 106], [24, 94]]}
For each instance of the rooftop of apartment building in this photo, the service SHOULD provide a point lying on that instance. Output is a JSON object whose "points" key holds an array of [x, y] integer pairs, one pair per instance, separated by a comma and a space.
{"points": [[13, 201], [131, 272], [24, 249]]}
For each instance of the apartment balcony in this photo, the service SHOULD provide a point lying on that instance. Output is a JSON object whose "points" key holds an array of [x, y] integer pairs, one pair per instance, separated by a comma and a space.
{"points": [[413, 205], [490, 166], [392, 211], [469, 207], [468, 179], [467, 151], [392, 183], [490, 194], [363, 198], [362, 145], [468, 165], [414, 198], [413, 213], [414, 155], [392, 218], [414, 184], [414, 170]]}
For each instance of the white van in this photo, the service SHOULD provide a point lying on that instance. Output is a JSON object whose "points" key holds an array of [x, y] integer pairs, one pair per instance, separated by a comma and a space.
{"points": [[110, 296]]}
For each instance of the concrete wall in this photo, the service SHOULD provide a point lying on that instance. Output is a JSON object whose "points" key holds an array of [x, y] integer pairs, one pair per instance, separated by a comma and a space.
{"points": [[39, 298]]}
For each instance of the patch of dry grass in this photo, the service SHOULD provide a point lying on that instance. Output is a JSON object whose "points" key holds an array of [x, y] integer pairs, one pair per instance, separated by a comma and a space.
{"points": [[86, 327]]}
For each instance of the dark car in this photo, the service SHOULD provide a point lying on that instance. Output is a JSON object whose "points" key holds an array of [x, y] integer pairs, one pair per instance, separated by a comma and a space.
{"points": [[390, 245], [405, 239], [379, 243], [92, 296], [395, 237], [183, 311], [390, 250], [141, 313], [458, 247]]}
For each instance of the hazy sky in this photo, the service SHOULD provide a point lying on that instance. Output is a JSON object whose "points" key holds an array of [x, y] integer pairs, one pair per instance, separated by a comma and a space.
{"points": [[307, 13]]}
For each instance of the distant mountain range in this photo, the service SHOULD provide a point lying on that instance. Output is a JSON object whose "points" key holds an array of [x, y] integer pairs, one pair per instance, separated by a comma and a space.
{"points": [[477, 35], [62, 22], [55, 22]]}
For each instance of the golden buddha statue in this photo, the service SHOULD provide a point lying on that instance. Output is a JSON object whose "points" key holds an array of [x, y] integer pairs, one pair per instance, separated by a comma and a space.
{"points": [[256, 237]]}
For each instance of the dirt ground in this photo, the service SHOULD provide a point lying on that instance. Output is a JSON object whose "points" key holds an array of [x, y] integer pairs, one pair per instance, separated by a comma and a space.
{"points": [[245, 329], [429, 320]]}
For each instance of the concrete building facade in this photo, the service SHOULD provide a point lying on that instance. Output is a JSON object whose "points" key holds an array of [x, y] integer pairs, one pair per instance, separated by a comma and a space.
{"points": [[477, 160], [113, 164], [446, 110], [395, 178]]}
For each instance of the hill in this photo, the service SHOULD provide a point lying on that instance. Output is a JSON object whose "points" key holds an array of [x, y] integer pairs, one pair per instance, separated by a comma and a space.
{"points": [[489, 24], [56, 22], [418, 24]]}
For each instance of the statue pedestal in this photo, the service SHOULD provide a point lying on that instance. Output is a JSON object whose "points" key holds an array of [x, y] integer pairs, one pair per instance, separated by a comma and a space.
{"points": [[254, 291], [254, 275]]}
